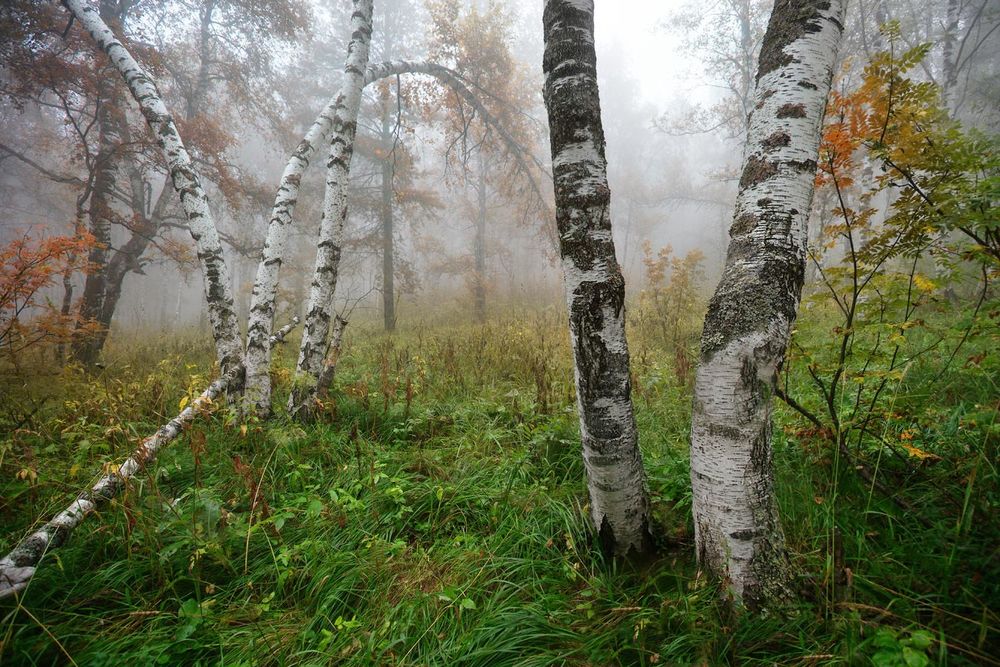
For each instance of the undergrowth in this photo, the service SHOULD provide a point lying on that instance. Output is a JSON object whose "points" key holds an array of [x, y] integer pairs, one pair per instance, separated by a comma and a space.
{"points": [[435, 514]]}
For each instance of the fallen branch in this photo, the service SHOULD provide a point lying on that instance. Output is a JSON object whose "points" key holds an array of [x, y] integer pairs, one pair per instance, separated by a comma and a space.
{"points": [[18, 567]]}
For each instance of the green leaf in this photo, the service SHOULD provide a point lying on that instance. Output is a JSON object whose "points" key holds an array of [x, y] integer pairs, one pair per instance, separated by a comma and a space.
{"points": [[314, 508], [914, 658], [466, 603], [921, 640]]}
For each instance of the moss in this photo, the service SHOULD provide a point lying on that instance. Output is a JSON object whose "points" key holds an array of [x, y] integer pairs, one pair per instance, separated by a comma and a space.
{"points": [[807, 166], [756, 171], [792, 111], [779, 139], [743, 224], [790, 20]]}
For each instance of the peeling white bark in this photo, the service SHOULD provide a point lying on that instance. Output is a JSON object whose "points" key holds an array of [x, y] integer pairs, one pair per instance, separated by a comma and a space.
{"points": [[316, 330], [225, 326], [18, 567], [595, 289], [737, 529]]}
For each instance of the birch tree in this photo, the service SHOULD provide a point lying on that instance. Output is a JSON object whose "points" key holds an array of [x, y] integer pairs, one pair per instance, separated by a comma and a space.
{"points": [[316, 328], [225, 327], [595, 289], [737, 529]]}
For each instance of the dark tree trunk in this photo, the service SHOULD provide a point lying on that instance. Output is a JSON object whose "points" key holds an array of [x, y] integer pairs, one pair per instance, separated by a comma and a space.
{"points": [[388, 240], [110, 121], [480, 244]]}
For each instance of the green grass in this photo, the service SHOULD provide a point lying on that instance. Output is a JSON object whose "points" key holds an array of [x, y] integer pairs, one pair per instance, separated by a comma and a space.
{"points": [[449, 528]]}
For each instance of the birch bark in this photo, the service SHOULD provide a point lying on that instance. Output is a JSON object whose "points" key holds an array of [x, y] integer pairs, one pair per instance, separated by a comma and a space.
{"points": [[316, 329], [737, 529], [225, 327], [18, 567], [595, 289]]}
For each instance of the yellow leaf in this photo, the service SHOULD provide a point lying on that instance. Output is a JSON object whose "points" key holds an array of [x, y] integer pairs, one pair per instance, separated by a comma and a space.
{"points": [[243, 430], [918, 453], [184, 401], [924, 284]]}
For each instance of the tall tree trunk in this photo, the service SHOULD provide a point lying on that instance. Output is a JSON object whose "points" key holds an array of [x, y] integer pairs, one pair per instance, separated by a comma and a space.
{"points": [[949, 58], [388, 233], [225, 328], [595, 289], [316, 330], [480, 242], [737, 530]]}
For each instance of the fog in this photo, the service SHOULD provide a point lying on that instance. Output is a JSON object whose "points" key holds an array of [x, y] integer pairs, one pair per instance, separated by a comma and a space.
{"points": [[670, 75]]}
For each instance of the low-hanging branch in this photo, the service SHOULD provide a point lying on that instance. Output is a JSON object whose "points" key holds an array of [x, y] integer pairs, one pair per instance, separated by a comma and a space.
{"points": [[18, 567]]}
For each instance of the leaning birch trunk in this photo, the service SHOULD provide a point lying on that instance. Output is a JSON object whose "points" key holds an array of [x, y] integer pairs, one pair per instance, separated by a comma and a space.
{"points": [[737, 529], [18, 567], [595, 289], [262, 302], [225, 326], [316, 328]]}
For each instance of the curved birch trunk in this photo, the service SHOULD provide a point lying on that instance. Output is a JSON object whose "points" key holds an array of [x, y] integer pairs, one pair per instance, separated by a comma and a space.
{"points": [[262, 302], [595, 289], [225, 327], [316, 329], [18, 567], [737, 529]]}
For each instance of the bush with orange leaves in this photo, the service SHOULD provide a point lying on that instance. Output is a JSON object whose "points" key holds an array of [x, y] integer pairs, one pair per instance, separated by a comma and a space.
{"points": [[28, 268]]}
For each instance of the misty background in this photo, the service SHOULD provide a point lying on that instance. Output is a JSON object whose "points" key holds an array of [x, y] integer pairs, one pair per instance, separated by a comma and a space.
{"points": [[674, 76]]}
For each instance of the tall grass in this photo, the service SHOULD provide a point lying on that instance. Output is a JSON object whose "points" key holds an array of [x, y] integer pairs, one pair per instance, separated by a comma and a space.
{"points": [[436, 515]]}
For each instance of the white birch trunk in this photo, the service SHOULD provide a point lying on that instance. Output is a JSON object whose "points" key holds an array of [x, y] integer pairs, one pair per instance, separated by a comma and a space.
{"points": [[225, 327], [737, 528], [262, 304], [316, 329], [18, 567], [595, 289]]}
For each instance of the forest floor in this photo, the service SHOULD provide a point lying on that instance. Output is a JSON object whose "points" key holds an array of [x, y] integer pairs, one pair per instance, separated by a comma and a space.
{"points": [[436, 515]]}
